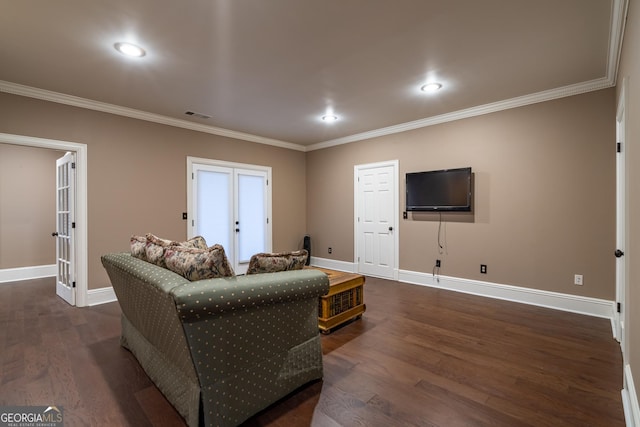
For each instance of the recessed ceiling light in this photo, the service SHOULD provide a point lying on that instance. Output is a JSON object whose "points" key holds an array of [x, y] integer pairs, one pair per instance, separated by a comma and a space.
{"points": [[431, 87], [129, 49], [330, 118]]}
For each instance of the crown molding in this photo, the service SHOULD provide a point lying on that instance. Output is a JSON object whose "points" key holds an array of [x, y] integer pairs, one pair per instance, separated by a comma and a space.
{"points": [[75, 101], [619, 10], [521, 101]]}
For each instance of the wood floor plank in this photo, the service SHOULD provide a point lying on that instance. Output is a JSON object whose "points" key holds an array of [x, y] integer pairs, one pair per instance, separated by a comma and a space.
{"points": [[418, 357], [150, 401]]}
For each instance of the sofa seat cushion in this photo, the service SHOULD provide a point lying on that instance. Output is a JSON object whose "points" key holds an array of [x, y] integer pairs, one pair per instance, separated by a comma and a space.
{"points": [[198, 264], [274, 262]]}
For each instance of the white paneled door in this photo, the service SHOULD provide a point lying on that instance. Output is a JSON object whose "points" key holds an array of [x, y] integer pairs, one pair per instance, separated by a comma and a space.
{"points": [[376, 219], [65, 227], [231, 206]]}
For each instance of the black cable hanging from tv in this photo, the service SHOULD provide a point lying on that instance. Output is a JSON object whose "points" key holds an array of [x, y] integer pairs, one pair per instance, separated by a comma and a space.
{"points": [[440, 246]]}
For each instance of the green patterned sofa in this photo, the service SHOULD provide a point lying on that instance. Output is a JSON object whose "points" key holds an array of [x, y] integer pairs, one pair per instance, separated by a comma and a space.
{"points": [[222, 349]]}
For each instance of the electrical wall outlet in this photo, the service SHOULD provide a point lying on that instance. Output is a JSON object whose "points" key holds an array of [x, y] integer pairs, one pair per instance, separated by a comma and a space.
{"points": [[330, 250], [437, 263], [577, 279], [483, 268]]}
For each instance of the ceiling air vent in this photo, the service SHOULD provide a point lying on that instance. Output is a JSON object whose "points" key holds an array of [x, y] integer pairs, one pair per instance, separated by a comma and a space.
{"points": [[198, 115]]}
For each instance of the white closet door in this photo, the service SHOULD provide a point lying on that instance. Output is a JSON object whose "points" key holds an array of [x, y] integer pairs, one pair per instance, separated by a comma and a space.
{"points": [[376, 219]]}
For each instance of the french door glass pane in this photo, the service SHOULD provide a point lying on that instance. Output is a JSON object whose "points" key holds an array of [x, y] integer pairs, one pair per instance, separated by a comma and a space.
{"points": [[214, 207], [251, 216]]}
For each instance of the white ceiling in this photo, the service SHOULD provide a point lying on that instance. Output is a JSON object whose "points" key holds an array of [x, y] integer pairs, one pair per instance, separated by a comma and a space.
{"points": [[266, 70]]}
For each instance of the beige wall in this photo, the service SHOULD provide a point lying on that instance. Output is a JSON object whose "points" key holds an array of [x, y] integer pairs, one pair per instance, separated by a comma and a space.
{"points": [[544, 180], [137, 173], [28, 205], [630, 69], [544, 195]]}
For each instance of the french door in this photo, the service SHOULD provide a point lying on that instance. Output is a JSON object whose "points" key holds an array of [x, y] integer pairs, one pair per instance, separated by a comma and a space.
{"points": [[230, 204], [65, 225]]}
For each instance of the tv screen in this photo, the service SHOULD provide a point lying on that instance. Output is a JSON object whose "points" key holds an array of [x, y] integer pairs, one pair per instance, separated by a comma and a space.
{"points": [[441, 190]]}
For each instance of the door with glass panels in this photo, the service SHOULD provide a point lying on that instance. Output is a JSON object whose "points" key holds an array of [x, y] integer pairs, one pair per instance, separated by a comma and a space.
{"points": [[230, 206], [65, 225]]}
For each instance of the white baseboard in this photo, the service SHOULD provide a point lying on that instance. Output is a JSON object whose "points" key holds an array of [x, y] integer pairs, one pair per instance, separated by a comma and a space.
{"points": [[558, 301], [27, 273], [332, 264], [100, 296], [565, 302], [630, 399]]}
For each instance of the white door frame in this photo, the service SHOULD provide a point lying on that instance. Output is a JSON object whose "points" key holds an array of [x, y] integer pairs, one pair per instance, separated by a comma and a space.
{"points": [[396, 203], [81, 241], [621, 320]]}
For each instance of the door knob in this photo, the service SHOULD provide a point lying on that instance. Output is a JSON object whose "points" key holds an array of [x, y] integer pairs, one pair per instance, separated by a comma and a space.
{"points": [[237, 230], [618, 253], [390, 228], [54, 234]]}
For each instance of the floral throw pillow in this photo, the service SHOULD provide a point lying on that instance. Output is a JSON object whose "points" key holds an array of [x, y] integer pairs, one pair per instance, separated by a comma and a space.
{"points": [[198, 264], [197, 242], [154, 249], [138, 244], [283, 261], [151, 248]]}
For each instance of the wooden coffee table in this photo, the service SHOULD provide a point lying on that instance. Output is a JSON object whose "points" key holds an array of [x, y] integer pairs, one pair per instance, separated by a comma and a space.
{"points": [[345, 300]]}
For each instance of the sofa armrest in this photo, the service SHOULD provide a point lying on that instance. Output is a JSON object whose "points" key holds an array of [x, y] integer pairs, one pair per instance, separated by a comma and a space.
{"points": [[143, 295], [128, 268], [204, 298]]}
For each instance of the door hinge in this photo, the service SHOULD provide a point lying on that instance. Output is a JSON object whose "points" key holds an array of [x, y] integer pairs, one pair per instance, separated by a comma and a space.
{"points": [[73, 165], [267, 220], [619, 308], [73, 284], [618, 147], [193, 222], [267, 182], [193, 175], [73, 225]]}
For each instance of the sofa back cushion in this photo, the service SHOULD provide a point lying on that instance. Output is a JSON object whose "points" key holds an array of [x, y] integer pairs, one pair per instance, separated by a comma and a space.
{"points": [[198, 264], [274, 262]]}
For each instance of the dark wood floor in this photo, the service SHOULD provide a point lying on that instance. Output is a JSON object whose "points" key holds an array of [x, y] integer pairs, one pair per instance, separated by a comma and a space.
{"points": [[419, 356]]}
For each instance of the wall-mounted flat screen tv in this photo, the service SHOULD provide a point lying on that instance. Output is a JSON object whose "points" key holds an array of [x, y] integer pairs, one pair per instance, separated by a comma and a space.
{"points": [[441, 190]]}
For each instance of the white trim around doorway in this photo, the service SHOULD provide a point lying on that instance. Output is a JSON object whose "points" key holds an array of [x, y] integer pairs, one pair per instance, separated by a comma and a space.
{"points": [[81, 216]]}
